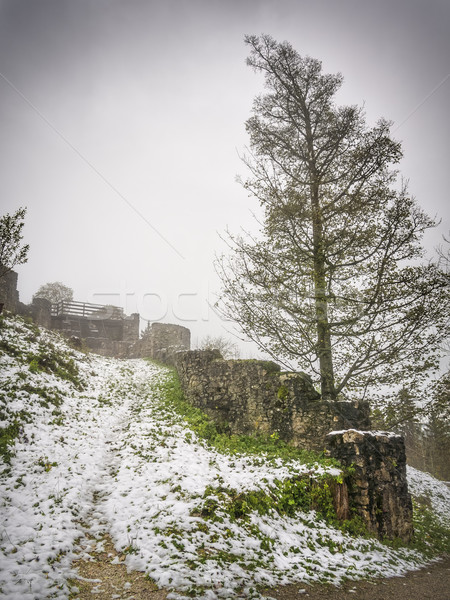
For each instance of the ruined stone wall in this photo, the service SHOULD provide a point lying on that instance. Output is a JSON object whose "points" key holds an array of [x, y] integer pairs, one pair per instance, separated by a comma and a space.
{"points": [[255, 396], [41, 312], [161, 341], [86, 328], [131, 328], [378, 489], [9, 296], [167, 337]]}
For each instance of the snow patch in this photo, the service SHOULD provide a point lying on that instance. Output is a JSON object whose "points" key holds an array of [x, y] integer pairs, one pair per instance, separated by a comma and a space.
{"points": [[110, 456]]}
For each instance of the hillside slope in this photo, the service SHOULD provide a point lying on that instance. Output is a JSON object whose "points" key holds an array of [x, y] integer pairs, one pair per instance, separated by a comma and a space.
{"points": [[91, 445]]}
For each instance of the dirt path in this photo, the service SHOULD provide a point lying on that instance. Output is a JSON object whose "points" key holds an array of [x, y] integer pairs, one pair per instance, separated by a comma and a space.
{"points": [[103, 575], [431, 583]]}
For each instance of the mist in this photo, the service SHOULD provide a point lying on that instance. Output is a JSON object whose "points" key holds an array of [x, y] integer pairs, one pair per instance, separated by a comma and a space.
{"points": [[123, 126]]}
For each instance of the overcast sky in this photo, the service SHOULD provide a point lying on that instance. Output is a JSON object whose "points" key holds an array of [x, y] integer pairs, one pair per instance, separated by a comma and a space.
{"points": [[122, 124]]}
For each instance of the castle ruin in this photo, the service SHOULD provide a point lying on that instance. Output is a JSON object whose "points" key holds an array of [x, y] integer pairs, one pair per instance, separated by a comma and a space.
{"points": [[250, 397]]}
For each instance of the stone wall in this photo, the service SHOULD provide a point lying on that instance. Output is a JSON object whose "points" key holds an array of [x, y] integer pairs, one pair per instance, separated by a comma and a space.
{"points": [[41, 312], [131, 328], [255, 396], [9, 296], [161, 341], [88, 328], [378, 489]]}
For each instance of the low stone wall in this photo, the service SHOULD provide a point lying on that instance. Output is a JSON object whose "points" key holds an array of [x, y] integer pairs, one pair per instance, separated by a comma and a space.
{"points": [[255, 396], [378, 489]]}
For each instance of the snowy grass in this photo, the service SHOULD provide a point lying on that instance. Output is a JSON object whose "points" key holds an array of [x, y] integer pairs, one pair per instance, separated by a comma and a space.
{"points": [[91, 445]]}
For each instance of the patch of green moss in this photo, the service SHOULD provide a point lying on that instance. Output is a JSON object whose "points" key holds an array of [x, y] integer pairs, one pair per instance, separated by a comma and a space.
{"points": [[283, 393]]}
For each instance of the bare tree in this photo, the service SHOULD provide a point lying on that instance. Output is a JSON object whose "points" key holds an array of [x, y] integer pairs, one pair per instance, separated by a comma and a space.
{"points": [[225, 346], [334, 284]]}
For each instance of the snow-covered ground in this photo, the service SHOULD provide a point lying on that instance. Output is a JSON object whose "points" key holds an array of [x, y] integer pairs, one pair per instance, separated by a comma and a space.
{"points": [[109, 456], [424, 485]]}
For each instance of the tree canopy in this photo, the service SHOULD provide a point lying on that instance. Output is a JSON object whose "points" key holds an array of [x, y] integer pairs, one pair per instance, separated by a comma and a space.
{"points": [[55, 292], [336, 282], [12, 252]]}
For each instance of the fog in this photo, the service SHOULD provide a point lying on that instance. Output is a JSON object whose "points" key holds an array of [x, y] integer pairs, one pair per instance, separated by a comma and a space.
{"points": [[122, 124]]}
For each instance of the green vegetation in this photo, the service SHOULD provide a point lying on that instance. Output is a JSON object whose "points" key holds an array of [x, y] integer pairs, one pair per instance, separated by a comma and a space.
{"points": [[36, 353], [12, 251], [51, 360], [283, 497], [47, 395], [9, 433], [46, 358], [313, 491], [431, 537], [283, 393], [218, 435]]}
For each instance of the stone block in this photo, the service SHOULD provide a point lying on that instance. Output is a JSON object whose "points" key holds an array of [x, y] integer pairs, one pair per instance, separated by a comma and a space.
{"points": [[379, 487]]}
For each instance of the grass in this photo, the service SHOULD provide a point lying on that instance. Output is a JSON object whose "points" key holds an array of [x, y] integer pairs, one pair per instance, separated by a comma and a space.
{"points": [[431, 537], [35, 354], [219, 437], [49, 359], [311, 491], [9, 434], [287, 497]]}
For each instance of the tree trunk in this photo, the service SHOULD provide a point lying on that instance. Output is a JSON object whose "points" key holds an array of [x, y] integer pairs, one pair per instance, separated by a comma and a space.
{"points": [[324, 352]]}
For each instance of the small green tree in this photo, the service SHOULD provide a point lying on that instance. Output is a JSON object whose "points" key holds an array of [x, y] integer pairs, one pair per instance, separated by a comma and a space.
{"points": [[334, 284], [55, 292], [12, 252]]}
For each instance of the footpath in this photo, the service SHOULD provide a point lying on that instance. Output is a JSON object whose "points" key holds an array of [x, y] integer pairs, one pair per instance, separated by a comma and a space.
{"points": [[106, 493]]}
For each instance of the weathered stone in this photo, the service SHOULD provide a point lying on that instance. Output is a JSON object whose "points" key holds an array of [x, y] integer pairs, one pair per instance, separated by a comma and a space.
{"points": [[130, 331], [161, 341], [341, 500], [41, 312], [256, 397], [378, 488], [9, 296]]}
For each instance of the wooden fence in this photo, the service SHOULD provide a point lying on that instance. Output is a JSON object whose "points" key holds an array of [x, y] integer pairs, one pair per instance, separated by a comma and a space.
{"points": [[87, 311]]}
